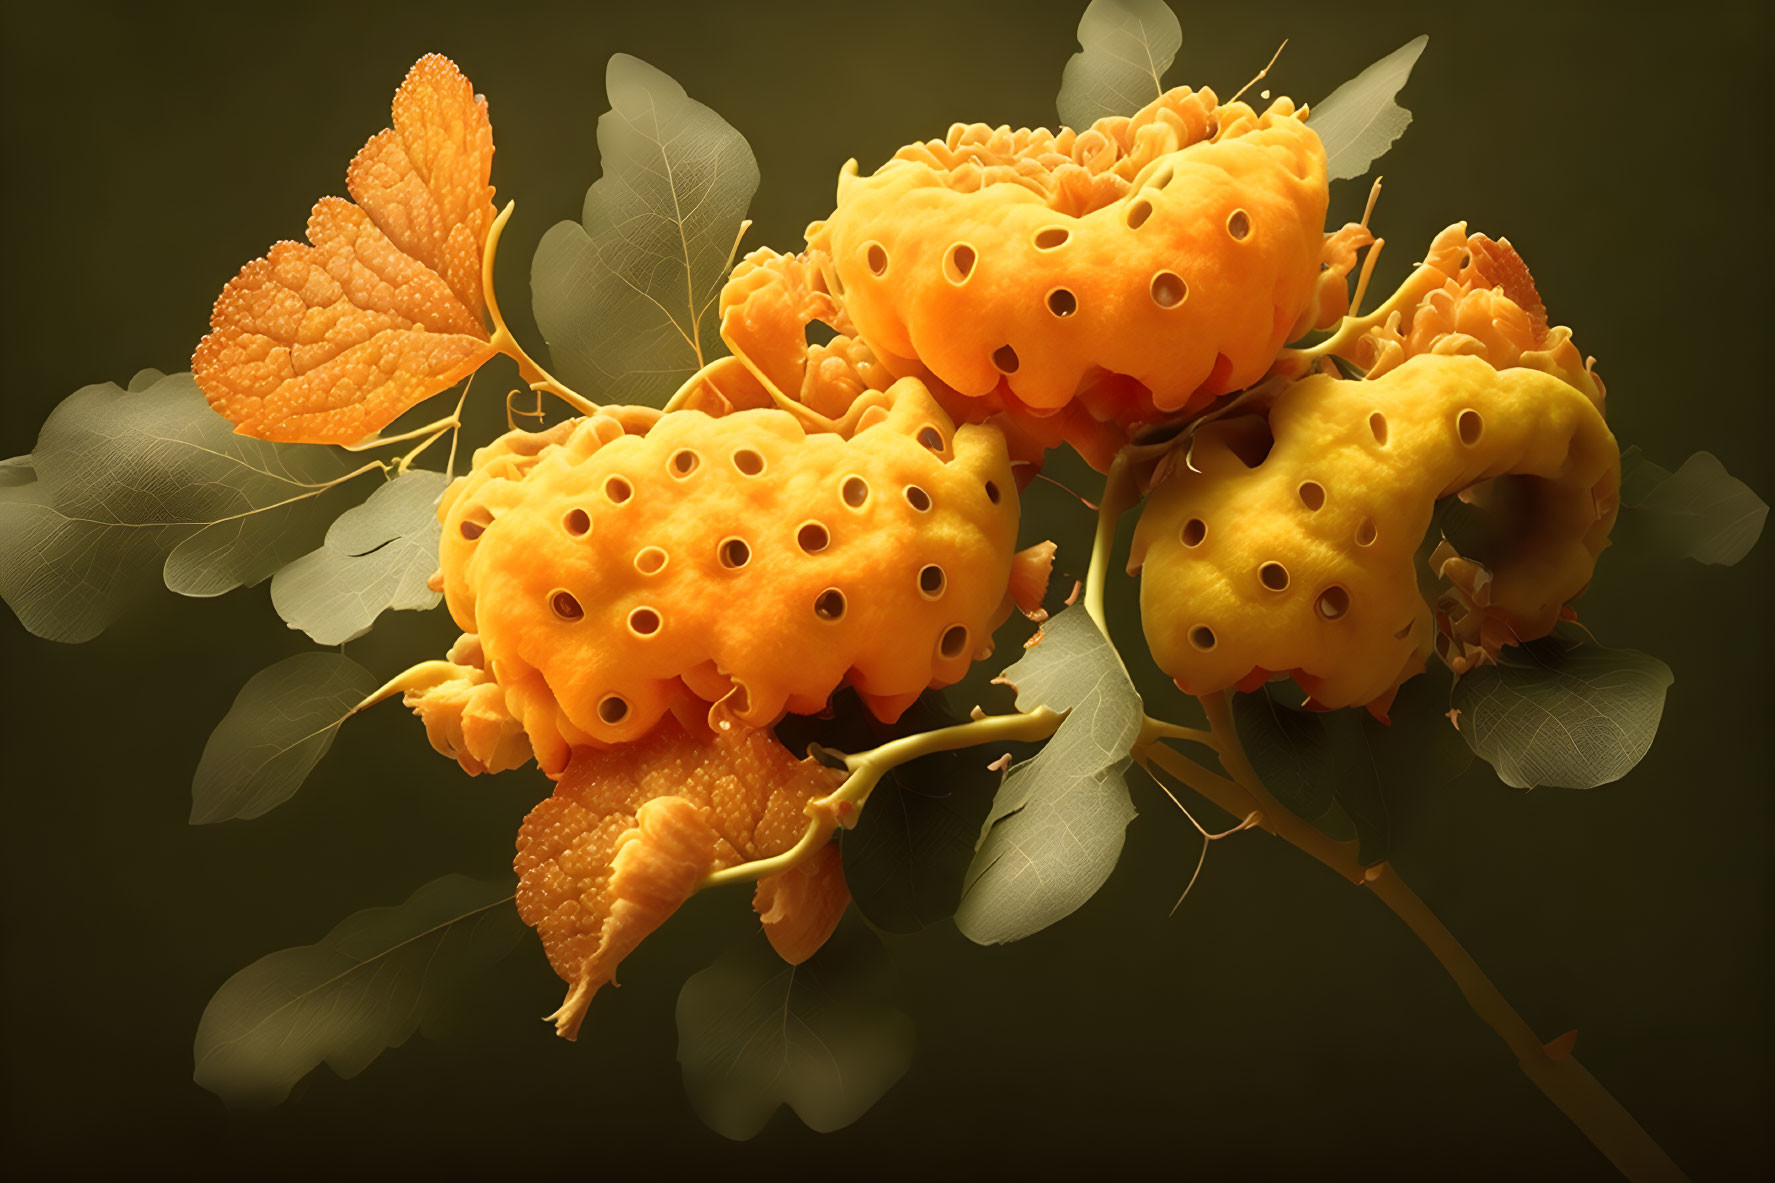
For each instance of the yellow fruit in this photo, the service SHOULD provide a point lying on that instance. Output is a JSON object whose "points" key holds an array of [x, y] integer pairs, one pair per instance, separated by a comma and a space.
{"points": [[1296, 555]]}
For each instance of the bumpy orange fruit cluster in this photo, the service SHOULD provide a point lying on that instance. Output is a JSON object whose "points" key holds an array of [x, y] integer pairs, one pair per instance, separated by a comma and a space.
{"points": [[606, 572], [620, 572], [1074, 284], [643, 594]]}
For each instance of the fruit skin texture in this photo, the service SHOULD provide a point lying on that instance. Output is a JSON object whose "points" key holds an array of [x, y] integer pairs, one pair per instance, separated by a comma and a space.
{"points": [[1473, 295], [631, 831], [1228, 203], [613, 575], [1341, 502]]}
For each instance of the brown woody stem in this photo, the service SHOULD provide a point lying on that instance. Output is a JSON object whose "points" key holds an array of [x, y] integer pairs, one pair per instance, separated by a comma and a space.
{"points": [[1596, 1113]]}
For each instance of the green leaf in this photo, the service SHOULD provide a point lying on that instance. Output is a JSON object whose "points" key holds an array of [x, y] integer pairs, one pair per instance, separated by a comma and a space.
{"points": [[626, 297], [281, 724], [129, 488], [906, 861], [1700, 512], [378, 556], [382, 974], [1125, 47], [1360, 120], [1562, 711], [1058, 822], [822, 1037]]}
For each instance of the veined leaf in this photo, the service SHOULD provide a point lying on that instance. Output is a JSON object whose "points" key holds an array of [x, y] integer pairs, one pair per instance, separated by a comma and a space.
{"points": [[1323, 766], [143, 378], [1562, 711], [280, 725], [379, 976], [19, 470], [822, 1037], [626, 297], [378, 556], [1700, 512], [1125, 47], [1360, 120], [1291, 751], [128, 487], [1058, 822], [328, 341]]}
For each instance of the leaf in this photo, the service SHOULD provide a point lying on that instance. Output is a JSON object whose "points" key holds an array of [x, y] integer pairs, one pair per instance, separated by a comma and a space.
{"points": [[1325, 767], [20, 470], [143, 378], [1125, 47], [1562, 711], [378, 556], [905, 863], [129, 488], [382, 974], [1700, 512], [1360, 120], [1058, 822], [822, 1037], [626, 297], [330, 342], [281, 724]]}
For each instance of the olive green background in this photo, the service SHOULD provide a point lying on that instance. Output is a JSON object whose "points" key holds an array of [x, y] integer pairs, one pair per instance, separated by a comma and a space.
{"points": [[1281, 1025]]}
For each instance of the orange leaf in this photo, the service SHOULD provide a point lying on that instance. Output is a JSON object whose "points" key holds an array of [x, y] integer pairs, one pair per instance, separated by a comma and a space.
{"points": [[328, 343]]}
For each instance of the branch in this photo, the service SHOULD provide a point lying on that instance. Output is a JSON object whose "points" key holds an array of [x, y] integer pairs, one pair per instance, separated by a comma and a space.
{"points": [[1119, 495], [866, 770], [502, 339], [1601, 1118]]}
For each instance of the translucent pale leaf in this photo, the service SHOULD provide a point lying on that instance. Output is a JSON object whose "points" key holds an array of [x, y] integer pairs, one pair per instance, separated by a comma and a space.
{"points": [[1328, 767], [330, 341], [1125, 47], [1058, 822], [128, 488], [822, 1037], [1360, 120], [17, 471], [626, 297], [143, 378], [378, 556], [1700, 512], [366, 986], [280, 725], [1562, 711]]}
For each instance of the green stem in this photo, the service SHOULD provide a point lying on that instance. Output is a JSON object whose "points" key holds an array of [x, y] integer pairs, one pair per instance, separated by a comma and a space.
{"points": [[867, 769], [1120, 492]]}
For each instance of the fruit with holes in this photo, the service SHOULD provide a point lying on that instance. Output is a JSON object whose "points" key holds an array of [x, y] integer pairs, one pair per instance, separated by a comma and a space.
{"points": [[1291, 549], [1139, 268], [614, 572]]}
